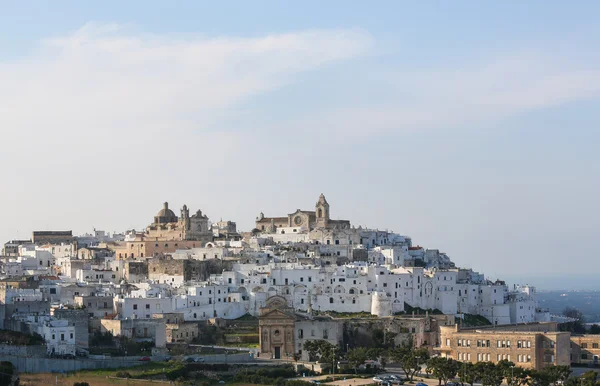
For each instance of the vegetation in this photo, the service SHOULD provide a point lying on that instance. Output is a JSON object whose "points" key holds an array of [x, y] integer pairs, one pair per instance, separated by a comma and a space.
{"points": [[470, 320], [442, 368], [578, 325], [16, 338], [408, 309], [493, 374], [409, 358], [346, 315], [7, 370]]}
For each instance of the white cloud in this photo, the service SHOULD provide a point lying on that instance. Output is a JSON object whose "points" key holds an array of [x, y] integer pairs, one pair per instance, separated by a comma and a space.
{"points": [[445, 97], [107, 116]]}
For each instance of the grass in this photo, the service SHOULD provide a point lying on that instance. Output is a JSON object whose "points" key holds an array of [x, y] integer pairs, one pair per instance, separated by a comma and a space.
{"points": [[99, 377], [471, 320]]}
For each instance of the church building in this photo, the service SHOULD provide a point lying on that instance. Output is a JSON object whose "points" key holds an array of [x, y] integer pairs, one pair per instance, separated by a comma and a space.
{"points": [[302, 220]]}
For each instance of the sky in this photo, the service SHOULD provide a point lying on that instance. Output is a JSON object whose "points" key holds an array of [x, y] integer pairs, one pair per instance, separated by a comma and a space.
{"points": [[470, 126]]}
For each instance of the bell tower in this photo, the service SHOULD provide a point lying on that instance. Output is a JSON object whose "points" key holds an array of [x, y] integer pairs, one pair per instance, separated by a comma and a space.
{"points": [[322, 212]]}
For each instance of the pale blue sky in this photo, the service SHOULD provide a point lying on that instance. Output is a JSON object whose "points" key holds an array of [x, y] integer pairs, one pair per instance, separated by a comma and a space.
{"points": [[470, 126]]}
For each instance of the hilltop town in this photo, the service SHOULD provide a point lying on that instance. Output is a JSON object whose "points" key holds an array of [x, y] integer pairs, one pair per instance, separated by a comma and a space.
{"points": [[293, 279]]}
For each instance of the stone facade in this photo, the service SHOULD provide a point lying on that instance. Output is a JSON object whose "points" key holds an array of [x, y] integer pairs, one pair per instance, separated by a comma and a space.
{"points": [[301, 220], [276, 329], [52, 237], [585, 349], [527, 349]]}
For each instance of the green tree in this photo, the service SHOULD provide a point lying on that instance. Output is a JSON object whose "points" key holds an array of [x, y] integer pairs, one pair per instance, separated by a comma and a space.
{"points": [[577, 325], [556, 374], [357, 356], [588, 378], [507, 368], [320, 350], [490, 374], [7, 370], [467, 373], [595, 329], [409, 359], [442, 368]]}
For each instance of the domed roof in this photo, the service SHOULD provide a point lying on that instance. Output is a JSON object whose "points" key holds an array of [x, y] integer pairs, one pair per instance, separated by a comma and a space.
{"points": [[165, 215]]}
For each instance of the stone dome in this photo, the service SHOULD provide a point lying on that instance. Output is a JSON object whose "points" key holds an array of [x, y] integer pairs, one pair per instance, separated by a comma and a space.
{"points": [[165, 215]]}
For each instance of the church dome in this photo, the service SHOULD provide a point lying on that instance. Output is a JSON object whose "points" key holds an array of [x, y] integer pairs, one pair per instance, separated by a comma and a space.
{"points": [[165, 215]]}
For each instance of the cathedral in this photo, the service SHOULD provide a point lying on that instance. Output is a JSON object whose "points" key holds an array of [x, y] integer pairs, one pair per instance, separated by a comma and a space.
{"points": [[303, 219], [167, 226]]}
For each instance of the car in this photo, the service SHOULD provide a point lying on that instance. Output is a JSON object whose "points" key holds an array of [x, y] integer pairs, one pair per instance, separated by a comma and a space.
{"points": [[189, 359], [199, 359], [451, 384], [145, 359], [377, 379], [421, 384]]}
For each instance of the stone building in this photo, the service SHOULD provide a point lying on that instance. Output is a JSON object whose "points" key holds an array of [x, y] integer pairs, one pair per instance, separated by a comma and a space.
{"points": [[166, 234], [301, 220], [52, 237], [532, 349], [585, 349], [276, 325]]}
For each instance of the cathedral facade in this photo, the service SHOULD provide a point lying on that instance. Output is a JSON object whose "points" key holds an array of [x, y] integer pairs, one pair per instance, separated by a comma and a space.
{"points": [[303, 220]]}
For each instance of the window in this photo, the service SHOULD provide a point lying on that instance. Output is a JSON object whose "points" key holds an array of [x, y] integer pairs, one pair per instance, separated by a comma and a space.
{"points": [[309, 279], [229, 280], [62, 336], [71, 335], [594, 345], [325, 334], [448, 343], [135, 306], [300, 333], [331, 300], [147, 306], [584, 345]]}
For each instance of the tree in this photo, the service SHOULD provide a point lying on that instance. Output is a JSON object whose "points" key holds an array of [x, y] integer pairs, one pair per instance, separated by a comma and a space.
{"points": [[467, 373], [556, 374], [577, 325], [357, 356], [491, 375], [595, 329], [320, 350], [409, 359], [588, 378], [7, 370], [507, 368], [442, 368]]}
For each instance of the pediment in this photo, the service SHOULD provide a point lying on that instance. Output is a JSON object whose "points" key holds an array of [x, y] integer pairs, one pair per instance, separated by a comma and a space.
{"points": [[277, 314]]}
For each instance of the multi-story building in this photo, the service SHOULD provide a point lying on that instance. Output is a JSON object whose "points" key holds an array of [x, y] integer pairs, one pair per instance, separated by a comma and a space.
{"points": [[585, 349], [527, 346]]}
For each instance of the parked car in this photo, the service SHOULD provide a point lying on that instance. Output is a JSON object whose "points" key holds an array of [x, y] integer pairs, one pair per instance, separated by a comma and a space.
{"points": [[420, 384], [145, 359], [198, 359], [377, 379]]}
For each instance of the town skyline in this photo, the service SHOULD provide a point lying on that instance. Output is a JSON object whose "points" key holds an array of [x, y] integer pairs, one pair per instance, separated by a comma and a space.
{"points": [[469, 127]]}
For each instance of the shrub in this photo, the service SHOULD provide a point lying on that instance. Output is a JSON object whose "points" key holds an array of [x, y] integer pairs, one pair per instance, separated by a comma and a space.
{"points": [[122, 374], [81, 384]]}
